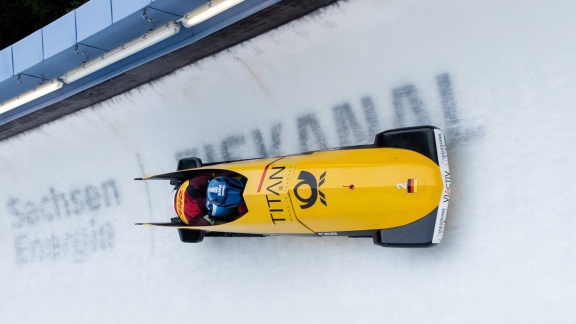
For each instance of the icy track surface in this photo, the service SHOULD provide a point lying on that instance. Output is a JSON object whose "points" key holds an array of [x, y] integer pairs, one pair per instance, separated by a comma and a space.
{"points": [[497, 76]]}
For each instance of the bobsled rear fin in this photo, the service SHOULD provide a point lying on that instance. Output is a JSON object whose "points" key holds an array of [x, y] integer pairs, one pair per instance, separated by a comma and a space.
{"points": [[420, 139]]}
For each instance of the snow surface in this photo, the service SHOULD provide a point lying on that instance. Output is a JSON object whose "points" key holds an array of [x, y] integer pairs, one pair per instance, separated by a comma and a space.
{"points": [[498, 76]]}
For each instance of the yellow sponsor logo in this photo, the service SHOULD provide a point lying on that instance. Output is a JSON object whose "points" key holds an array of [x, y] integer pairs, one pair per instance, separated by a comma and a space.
{"points": [[180, 201]]}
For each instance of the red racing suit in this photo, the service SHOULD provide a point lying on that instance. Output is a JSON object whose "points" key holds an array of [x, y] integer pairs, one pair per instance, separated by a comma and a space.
{"points": [[195, 200]]}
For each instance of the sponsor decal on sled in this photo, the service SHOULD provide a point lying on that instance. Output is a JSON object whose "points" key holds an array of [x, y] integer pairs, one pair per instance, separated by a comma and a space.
{"points": [[445, 197], [180, 200], [307, 179]]}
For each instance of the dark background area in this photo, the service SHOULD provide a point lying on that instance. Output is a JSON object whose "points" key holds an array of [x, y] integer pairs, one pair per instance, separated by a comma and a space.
{"points": [[19, 19]]}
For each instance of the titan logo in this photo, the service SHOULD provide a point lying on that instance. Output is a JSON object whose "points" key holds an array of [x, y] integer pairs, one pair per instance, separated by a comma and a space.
{"points": [[308, 179]]}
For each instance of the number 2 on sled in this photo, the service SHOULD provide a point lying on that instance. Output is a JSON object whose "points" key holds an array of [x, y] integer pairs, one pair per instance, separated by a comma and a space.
{"points": [[402, 186]]}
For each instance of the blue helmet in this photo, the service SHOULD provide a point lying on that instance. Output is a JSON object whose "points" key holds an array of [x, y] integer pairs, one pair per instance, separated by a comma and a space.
{"points": [[224, 194]]}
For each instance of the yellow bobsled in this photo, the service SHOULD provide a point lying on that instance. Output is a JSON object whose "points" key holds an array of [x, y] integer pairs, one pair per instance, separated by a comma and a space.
{"points": [[395, 191]]}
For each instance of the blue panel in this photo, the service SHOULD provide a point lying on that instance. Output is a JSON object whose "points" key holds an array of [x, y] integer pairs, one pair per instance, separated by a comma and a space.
{"points": [[93, 17], [27, 52], [59, 35], [123, 8], [6, 70], [94, 21]]}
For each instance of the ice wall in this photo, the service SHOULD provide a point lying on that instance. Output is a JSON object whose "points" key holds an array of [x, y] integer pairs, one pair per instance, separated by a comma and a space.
{"points": [[497, 76]]}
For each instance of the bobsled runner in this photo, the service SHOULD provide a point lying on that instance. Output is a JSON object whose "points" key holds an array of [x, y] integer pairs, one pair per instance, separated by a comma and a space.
{"points": [[395, 191]]}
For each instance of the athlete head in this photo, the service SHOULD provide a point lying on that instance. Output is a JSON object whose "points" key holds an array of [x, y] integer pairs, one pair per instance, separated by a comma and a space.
{"points": [[225, 192]]}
